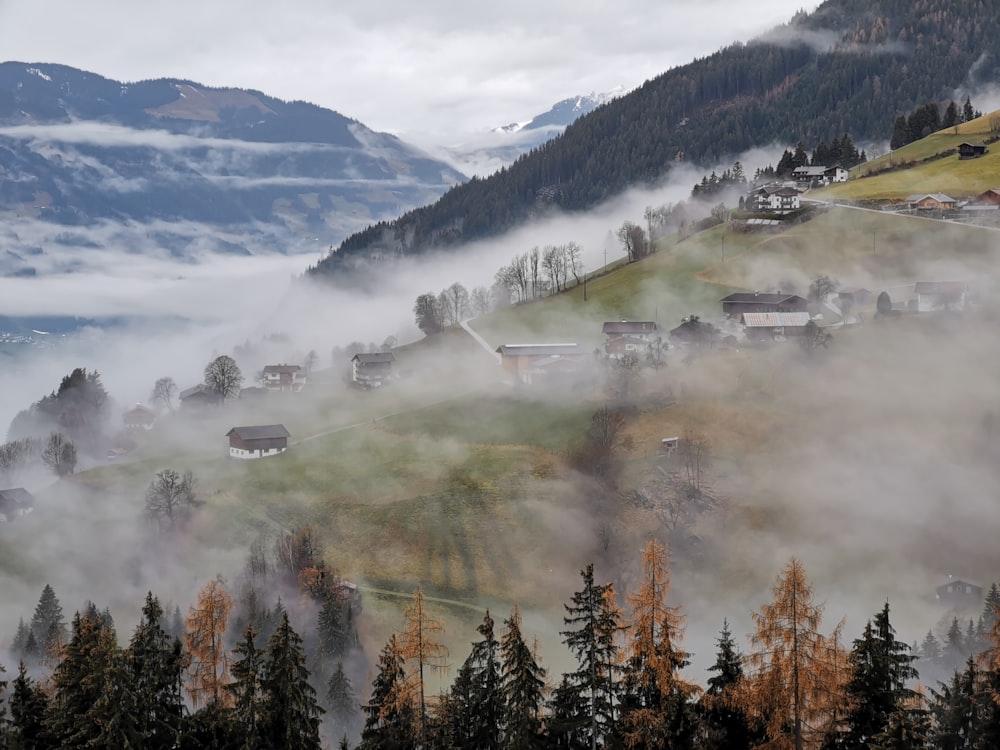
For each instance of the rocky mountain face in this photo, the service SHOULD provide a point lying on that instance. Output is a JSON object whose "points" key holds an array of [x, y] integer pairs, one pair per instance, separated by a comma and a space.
{"points": [[173, 167]]}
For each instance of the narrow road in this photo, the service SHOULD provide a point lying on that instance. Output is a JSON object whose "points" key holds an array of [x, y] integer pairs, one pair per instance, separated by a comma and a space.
{"points": [[481, 341]]}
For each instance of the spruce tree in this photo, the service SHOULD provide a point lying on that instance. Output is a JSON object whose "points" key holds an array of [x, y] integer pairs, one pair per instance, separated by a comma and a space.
{"points": [[156, 662], [880, 669], [28, 706], [246, 691], [955, 710], [390, 720], [522, 685], [48, 625], [290, 711], [724, 722], [332, 628], [486, 697], [594, 622], [340, 700]]}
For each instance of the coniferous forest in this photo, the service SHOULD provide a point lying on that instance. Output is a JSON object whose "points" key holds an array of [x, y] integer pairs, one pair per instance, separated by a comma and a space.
{"points": [[225, 676], [851, 66]]}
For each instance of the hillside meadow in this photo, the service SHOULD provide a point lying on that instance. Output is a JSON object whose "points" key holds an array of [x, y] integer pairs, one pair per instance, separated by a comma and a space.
{"points": [[861, 459]]}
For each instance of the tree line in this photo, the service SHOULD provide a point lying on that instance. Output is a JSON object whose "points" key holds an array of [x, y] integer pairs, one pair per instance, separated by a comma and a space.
{"points": [[927, 118], [232, 673], [797, 685]]}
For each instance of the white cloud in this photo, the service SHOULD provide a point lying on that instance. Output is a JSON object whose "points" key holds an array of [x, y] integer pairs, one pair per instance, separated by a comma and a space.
{"points": [[433, 67]]}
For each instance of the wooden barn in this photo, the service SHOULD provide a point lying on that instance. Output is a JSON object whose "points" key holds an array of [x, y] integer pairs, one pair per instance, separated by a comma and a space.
{"points": [[755, 302], [257, 441], [528, 362]]}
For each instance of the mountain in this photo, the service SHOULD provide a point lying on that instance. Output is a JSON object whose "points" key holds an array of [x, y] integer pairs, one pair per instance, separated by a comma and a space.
{"points": [[849, 66], [188, 168], [483, 154], [563, 113]]}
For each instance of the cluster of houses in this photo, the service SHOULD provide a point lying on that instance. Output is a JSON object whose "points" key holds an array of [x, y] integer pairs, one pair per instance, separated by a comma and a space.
{"points": [[783, 196]]}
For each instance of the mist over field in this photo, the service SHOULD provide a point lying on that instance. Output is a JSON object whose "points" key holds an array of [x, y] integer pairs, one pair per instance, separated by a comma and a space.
{"points": [[867, 462]]}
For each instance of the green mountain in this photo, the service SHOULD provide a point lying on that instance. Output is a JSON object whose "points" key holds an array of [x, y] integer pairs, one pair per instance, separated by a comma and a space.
{"points": [[850, 66]]}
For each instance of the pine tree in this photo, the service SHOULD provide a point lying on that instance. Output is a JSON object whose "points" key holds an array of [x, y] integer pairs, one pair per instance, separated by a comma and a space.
{"points": [[332, 628], [20, 642], [908, 729], [955, 711], [880, 669], [340, 700], [725, 724], [594, 620], [94, 699], [522, 686], [953, 652], [419, 644], [246, 690], [28, 706], [156, 662], [485, 699], [290, 711], [968, 112], [390, 721], [795, 668], [656, 709], [48, 625], [206, 627]]}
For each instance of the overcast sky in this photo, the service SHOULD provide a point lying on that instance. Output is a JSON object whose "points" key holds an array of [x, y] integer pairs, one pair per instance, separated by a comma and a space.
{"points": [[430, 66]]}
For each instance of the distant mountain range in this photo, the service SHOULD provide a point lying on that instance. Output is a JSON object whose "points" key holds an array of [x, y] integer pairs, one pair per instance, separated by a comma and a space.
{"points": [[851, 66], [175, 167], [563, 113]]}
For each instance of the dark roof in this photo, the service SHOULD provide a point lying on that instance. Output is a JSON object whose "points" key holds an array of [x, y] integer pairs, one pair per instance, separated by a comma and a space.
{"points": [[761, 299], [197, 390], [140, 411], [539, 350], [629, 326], [260, 432], [16, 496], [374, 358], [940, 287], [291, 369]]}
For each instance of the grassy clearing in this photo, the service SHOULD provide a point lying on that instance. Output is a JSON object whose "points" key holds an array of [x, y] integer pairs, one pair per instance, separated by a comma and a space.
{"points": [[960, 179]]}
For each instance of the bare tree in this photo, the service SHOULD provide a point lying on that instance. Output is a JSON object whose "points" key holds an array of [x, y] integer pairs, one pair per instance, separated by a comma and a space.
{"points": [[634, 239], [573, 262], [822, 287], [223, 376], [625, 372], [163, 393], [170, 496], [59, 454], [310, 362], [454, 302], [481, 300]]}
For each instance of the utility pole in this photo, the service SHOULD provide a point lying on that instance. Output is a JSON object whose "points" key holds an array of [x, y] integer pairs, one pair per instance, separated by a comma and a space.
{"points": [[723, 248]]}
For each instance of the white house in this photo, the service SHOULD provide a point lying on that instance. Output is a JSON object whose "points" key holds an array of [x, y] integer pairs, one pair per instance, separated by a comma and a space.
{"points": [[257, 441]]}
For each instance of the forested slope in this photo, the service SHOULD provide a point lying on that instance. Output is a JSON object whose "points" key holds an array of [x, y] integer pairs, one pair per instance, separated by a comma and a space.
{"points": [[850, 66]]}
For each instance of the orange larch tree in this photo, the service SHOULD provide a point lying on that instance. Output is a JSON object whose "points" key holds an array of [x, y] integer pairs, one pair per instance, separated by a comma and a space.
{"points": [[206, 626]]}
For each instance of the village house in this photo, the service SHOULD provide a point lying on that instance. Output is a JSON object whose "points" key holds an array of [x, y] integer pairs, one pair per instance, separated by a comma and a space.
{"points": [[373, 369], [853, 298], [527, 362], [972, 150], [198, 397], [628, 337], [767, 326], [989, 197], [774, 198], [15, 503], [821, 174], [940, 295], [738, 303], [931, 202], [959, 592], [257, 441], [139, 417], [284, 378]]}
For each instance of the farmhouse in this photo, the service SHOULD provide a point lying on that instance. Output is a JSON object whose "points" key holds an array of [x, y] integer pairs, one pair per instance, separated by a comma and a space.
{"points": [[15, 503], [972, 150], [957, 592], [139, 417], [257, 441], [775, 198], [990, 197], [931, 202], [199, 397], [940, 295], [284, 378], [628, 337], [770, 325], [525, 362], [822, 174], [743, 302], [373, 369]]}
